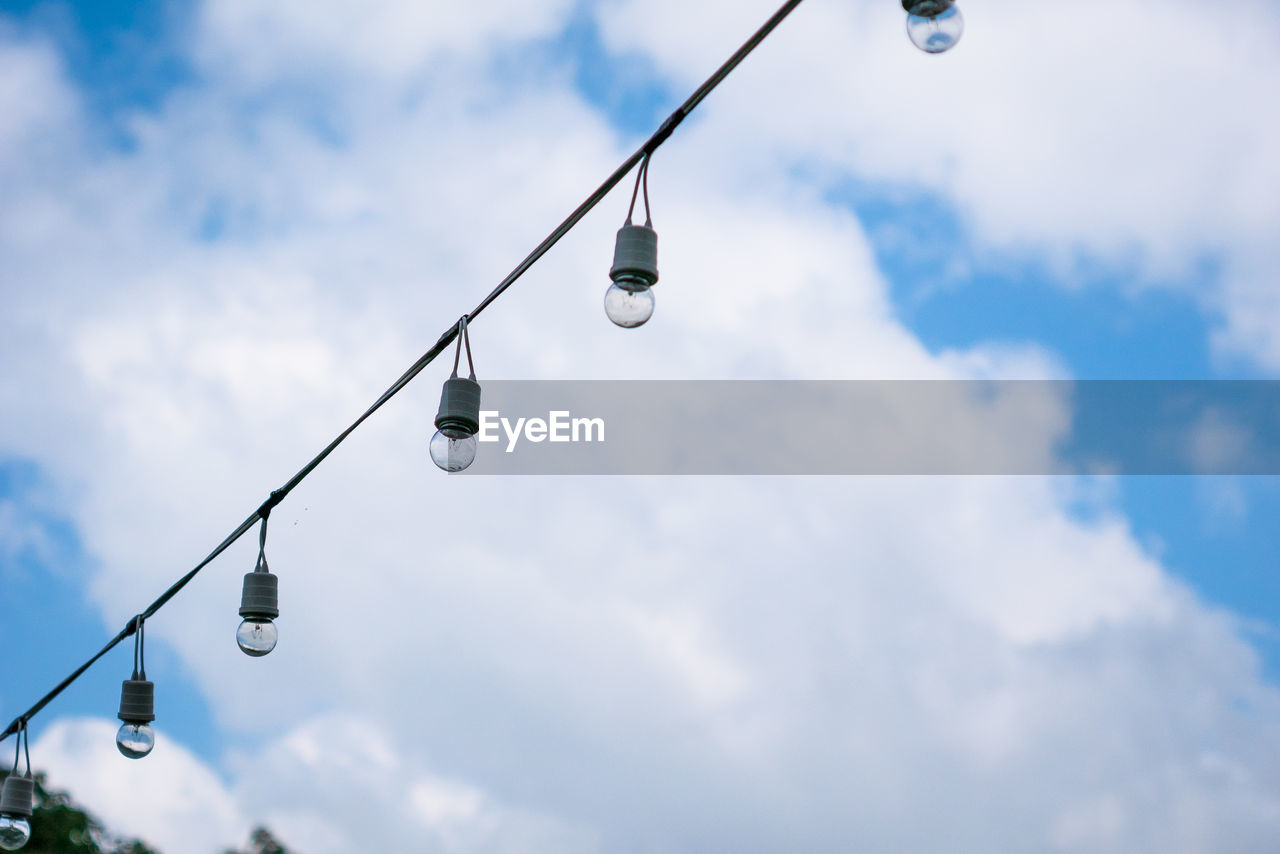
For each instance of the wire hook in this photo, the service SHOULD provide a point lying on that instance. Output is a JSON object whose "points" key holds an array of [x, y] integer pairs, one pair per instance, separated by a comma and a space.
{"points": [[642, 180], [464, 338], [139, 650]]}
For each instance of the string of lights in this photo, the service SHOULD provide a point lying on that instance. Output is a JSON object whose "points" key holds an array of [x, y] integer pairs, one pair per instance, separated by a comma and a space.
{"points": [[932, 25]]}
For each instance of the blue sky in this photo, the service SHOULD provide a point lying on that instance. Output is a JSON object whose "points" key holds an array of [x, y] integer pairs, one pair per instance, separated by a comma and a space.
{"points": [[956, 276]]}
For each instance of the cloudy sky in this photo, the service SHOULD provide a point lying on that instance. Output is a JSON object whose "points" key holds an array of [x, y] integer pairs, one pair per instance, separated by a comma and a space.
{"points": [[226, 226]]}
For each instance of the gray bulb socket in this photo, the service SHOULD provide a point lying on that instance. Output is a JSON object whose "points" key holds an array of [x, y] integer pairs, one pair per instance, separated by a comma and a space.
{"points": [[927, 8], [17, 796], [459, 406], [635, 255], [137, 701], [260, 599]]}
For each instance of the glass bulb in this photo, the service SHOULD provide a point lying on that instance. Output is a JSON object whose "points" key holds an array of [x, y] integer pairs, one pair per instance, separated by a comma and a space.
{"points": [[452, 449], [629, 302], [14, 832], [135, 740], [257, 637], [937, 34]]}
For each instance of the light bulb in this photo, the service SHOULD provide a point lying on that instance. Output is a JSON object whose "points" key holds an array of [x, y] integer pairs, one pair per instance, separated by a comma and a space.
{"points": [[15, 831], [936, 33], [257, 636], [135, 740], [259, 605], [629, 302], [17, 795], [453, 449]]}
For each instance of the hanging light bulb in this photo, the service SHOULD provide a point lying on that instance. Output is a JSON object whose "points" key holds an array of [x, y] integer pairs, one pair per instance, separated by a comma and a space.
{"points": [[629, 301], [259, 602], [135, 739], [256, 636], [16, 798], [15, 810], [934, 26], [453, 447]]}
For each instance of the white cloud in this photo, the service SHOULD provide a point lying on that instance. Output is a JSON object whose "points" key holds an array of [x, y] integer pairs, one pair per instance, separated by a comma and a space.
{"points": [[387, 39], [336, 784], [330, 785], [588, 664], [37, 101], [171, 799]]}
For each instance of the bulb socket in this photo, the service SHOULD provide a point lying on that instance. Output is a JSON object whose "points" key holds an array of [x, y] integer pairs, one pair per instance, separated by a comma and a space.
{"points": [[635, 255], [459, 406], [260, 598], [137, 701], [927, 8], [17, 796]]}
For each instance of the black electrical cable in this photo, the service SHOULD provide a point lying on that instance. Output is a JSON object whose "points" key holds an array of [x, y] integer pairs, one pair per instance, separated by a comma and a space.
{"points": [[642, 154], [22, 743], [642, 176], [651, 145], [644, 180], [139, 648]]}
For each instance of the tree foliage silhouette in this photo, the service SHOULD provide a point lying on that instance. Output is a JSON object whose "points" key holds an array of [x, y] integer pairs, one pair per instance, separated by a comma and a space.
{"points": [[262, 842]]}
